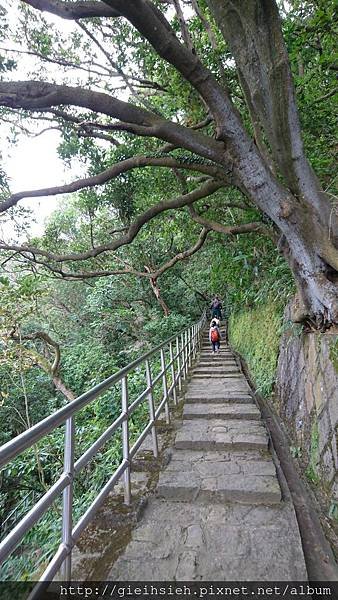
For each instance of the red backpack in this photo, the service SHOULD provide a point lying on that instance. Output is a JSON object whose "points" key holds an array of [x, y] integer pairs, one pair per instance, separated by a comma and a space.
{"points": [[214, 336]]}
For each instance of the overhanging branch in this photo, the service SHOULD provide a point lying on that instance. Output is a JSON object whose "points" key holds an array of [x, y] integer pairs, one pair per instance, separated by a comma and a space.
{"points": [[113, 171], [41, 96], [206, 189], [74, 10], [128, 269]]}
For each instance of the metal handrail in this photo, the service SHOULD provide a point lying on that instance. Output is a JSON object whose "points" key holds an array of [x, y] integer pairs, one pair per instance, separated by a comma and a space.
{"points": [[186, 347]]}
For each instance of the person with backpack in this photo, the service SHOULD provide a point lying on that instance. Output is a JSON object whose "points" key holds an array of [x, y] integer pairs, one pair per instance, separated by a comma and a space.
{"points": [[217, 321], [216, 308], [215, 337]]}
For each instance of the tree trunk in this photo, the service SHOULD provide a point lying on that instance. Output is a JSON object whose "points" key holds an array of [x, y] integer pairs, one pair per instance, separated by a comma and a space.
{"points": [[308, 242], [299, 208], [63, 389], [157, 292]]}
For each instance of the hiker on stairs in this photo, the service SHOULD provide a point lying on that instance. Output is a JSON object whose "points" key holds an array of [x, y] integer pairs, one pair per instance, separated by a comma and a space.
{"points": [[215, 337], [216, 307]]}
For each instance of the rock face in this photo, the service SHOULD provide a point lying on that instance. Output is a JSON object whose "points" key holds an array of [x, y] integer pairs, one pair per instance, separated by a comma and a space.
{"points": [[307, 391]]}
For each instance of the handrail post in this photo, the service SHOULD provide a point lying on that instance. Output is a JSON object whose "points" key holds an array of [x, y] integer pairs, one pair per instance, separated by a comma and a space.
{"points": [[183, 355], [173, 372], [125, 440], [200, 329], [165, 387], [189, 346], [67, 509], [194, 341], [186, 353], [151, 408], [178, 352]]}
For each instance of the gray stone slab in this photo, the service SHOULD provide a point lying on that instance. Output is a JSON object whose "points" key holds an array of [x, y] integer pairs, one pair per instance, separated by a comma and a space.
{"points": [[237, 478], [199, 395], [211, 376], [204, 434], [219, 386], [214, 361], [216, 366], [231, 542], [215, 371], [203, 410]]}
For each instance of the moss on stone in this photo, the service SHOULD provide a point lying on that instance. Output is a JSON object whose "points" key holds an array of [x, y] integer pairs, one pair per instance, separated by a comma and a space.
{"points": [[334, 353], [255, 334], [312, 469]]}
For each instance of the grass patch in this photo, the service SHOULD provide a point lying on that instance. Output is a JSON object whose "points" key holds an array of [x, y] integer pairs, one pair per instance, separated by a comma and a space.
{"points": [[255, 334]]}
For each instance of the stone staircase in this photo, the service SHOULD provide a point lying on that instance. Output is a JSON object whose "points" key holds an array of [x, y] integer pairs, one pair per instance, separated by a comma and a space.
{"points": [[220, 512], [220, 415]]}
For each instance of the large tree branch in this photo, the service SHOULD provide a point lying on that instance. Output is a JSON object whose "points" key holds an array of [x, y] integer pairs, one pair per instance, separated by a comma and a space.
{"points": [[185, 199], [41, 335], [253, 31], [108, 174], [74, 10], [152, 24], [182, 255], [113, 171], [41, 96]]}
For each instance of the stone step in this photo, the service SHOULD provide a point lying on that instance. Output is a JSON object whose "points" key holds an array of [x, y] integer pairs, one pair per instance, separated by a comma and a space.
{"points": [[213, 364], [223, 348], [225, 378], [200, 410], [247, 478], [211, 373], [219, 386], [224, 354], [215, 359], [216, 367], [218, 399], [207, 355], [193, 396], [216, 434], [208, 349]]}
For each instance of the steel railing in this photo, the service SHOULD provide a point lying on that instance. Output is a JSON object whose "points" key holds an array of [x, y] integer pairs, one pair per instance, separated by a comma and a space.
{"points": [[180, 350]]}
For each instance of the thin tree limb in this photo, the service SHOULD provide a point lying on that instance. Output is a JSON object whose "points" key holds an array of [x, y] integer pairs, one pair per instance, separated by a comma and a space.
{"points": [[227, 229]]}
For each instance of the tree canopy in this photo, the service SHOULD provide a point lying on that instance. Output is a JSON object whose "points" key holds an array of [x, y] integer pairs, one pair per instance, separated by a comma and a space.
{"points": [[171, 105]]}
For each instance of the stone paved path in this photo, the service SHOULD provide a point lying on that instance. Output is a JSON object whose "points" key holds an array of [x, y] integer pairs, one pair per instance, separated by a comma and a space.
{"points": [[220, 512]]}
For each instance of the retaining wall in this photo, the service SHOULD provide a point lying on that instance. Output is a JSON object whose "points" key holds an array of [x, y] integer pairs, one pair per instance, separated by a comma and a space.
{"points": [[307, 397]]}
